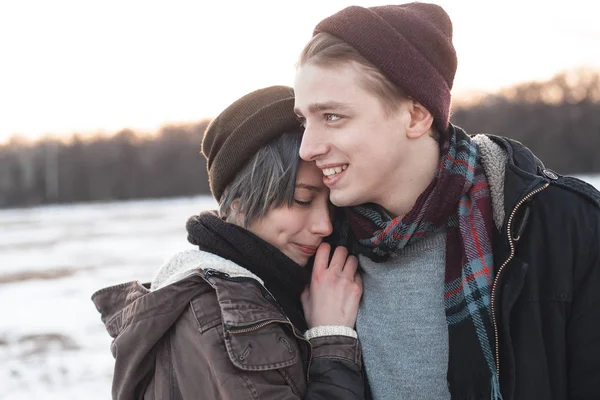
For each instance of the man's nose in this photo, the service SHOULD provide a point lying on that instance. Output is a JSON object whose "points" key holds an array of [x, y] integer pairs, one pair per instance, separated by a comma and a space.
{"points": [[311, 148]]}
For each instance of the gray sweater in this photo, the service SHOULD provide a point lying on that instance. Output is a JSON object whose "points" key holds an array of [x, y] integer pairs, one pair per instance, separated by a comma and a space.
{"points": [[402, 323]]}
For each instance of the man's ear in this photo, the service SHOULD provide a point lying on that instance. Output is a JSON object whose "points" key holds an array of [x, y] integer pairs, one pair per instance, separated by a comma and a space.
{"points": [[421, 120]]}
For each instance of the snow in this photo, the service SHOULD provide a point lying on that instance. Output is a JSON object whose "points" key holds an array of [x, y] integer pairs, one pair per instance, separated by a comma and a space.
{"points": [[52, 342]]}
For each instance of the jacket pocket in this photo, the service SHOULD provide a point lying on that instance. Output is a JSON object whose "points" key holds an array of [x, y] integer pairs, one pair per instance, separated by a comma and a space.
{"points": [[269, 355], [265, 348]]}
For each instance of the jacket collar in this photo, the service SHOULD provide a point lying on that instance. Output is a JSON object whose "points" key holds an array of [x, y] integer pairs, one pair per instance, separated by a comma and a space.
{"points": [[512, 170], [235, 286], [177, 282], [188, 262]]}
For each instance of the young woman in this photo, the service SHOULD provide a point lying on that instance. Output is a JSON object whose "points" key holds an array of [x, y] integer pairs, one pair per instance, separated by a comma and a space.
{"points": [[226, 320]]}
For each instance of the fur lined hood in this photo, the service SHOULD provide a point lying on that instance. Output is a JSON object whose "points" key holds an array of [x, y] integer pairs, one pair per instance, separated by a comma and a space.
{"points": [[188, 262], [493, 160]]}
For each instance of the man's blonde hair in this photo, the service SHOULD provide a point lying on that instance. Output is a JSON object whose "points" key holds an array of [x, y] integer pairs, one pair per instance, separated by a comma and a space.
{"points": [[327, 50]]}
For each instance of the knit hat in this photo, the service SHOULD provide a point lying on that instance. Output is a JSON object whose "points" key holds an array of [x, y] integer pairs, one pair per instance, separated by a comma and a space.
{"points": [[248, 124], [410, 43]]}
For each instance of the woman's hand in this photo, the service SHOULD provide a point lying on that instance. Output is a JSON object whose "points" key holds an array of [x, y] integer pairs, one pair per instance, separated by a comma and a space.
{"points": [[335, 289]]}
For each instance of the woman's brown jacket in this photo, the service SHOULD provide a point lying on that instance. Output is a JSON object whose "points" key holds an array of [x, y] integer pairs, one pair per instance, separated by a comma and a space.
{"points": [[209, 329]]}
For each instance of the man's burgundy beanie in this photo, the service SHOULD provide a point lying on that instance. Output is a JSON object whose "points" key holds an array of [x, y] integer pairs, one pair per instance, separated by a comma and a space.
{"points": [[235, 135], [410, 43]]}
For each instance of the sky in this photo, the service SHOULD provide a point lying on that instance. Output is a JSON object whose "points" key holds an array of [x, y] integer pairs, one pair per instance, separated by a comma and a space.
{"points": [[88, 66]]}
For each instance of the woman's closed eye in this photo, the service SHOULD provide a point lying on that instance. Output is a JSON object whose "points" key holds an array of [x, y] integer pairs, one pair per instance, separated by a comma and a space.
{"points": [[303, 203]]}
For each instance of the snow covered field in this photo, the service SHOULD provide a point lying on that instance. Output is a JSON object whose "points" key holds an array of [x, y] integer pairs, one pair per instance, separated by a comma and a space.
{"points": [[52, 342]]}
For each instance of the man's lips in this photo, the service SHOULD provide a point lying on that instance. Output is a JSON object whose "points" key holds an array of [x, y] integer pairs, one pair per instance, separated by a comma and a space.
{"points": [[330, 181], [331, 169], [332, 173]]}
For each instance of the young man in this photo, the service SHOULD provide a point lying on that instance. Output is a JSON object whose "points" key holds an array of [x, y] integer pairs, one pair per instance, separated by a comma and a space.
{"points": [[481, 268]]}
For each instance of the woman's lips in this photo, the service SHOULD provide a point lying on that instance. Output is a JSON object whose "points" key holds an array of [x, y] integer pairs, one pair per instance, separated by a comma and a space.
{"points": [[308, 250]]}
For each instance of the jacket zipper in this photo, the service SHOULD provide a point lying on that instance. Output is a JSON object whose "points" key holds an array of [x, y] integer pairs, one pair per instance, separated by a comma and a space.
{"points": [[268, 297], [496, 279], [223, 275]]}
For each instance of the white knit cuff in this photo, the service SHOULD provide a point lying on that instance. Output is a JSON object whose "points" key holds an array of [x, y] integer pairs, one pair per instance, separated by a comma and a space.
{"points": [[330, 330]]}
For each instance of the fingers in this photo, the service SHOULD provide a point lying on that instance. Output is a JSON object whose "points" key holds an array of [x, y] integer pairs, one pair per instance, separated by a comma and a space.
{"points": [[358, 280], [350, 267], [341, 264], [338, 260], [321, 258], [335, 290]]}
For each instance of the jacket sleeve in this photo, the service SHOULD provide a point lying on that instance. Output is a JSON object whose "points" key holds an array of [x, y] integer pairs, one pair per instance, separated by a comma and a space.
{"points": [[583, 330], [201, 365], [336, 369]]}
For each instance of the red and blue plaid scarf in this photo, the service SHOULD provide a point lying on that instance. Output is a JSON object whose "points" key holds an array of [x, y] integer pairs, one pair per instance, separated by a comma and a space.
{"points": [[458, 199]]}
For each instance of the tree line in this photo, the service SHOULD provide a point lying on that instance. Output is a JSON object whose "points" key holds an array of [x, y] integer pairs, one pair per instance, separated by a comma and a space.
{"points": [[120, 167], [558, 119]]}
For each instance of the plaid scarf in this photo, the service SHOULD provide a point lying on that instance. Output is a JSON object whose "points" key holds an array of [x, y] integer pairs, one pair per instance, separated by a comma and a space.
{"points": [[458, 199]]}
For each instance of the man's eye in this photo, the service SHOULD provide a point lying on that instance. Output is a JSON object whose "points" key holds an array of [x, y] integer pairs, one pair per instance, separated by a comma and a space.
{"points": [[332, 117]]}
